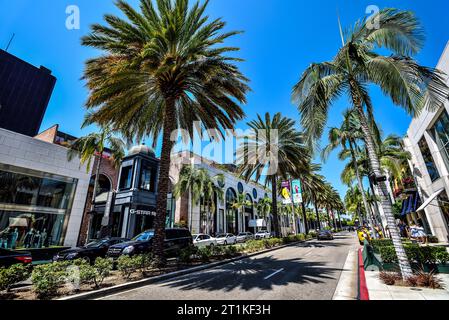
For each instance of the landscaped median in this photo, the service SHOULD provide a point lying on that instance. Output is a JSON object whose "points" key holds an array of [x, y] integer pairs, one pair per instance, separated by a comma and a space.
{"points": [[80, 280]]}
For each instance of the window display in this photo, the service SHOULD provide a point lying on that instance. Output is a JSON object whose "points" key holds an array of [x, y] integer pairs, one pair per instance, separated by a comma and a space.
{"points": [[33, 208]]}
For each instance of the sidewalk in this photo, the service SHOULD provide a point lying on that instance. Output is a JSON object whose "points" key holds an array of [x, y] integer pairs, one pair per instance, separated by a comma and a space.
{"points": [[380, 291], [347, 288]]}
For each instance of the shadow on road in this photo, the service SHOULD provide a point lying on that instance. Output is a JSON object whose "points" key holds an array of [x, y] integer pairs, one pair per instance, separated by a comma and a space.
{"points": [[250, 273]]}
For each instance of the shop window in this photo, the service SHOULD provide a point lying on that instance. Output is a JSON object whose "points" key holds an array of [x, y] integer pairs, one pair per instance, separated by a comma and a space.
{"points": [[231, 214], [428, 160], [147, 176], [126, 178], [440, 133]]}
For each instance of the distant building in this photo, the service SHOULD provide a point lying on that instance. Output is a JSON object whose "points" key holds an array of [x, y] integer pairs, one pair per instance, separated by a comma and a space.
{"points": [[428, 142], [25, 92]]}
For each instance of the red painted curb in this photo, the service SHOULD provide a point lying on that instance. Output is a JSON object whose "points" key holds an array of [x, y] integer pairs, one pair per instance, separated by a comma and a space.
{"points": [[363, 288]]}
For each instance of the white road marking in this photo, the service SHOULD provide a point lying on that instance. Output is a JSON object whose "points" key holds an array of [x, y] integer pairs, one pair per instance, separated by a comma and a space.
{"points": [[273, 274]]}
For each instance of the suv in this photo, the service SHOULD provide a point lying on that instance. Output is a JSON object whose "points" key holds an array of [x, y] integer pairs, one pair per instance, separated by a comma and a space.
{"points": [[175, 240]]}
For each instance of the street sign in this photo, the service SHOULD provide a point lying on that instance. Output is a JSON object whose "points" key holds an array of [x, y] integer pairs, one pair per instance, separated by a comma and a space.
{"points": [[297, 192]]}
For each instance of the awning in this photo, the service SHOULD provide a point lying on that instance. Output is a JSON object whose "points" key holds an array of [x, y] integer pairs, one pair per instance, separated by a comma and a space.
{"points": [[428, 201]]}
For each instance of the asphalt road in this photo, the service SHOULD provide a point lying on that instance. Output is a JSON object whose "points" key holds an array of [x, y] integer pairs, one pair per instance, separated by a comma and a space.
{"points": [[307, 271]]}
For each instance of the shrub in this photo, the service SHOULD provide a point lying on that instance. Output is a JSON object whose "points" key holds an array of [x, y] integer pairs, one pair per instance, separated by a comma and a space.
{"points": [[390, 278], [231, 251], [126, 265], [218, 251], [432, 239], [426, 280], [441, 255], [185, 255], [12, 275], [388, 254], [416, 253], [312, 234], [254, 246], [205, 254], [47, 278], [142, 262], [103, 268]]}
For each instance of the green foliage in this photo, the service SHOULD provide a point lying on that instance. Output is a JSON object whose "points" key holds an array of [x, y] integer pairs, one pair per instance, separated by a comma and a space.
{"points": [[205, 254], [47, 278], [103, 268], [416, 253], [312, 234], [186, 254], [12, 275], [126, 265]]}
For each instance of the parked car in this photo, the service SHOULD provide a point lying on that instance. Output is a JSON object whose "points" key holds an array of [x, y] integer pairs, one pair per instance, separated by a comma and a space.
{"points": [[226, 238], [203, 240], [11, 257], [262, 235], [90, 252], [175, 240], [325, 235], [244, 236]]}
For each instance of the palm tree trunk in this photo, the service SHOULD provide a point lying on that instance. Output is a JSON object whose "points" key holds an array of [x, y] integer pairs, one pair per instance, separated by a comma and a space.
{"points": [[317, 216], [164, 181], [274, 199], [304, 213], [404, 263], [339, 219], [359, 181]]}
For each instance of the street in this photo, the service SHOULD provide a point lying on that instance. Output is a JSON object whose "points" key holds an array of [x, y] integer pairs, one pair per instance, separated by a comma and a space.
{"points": [[307, 271]]}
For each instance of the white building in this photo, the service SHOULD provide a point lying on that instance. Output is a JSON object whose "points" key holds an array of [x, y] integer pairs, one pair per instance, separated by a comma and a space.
{"points": [[428, 141], [42, 194], [225, 218]]}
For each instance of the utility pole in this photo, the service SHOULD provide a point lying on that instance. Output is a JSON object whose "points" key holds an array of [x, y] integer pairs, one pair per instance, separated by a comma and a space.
{"points": [[10, 41]]}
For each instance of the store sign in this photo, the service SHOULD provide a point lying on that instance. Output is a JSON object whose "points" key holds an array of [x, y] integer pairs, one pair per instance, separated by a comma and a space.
{"points": [[286, 193], [122, 201], [142, 212], [296, 191]]}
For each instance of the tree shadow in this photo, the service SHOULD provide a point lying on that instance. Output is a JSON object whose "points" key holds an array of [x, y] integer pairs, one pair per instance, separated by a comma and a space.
{"points": [[251, 274]]}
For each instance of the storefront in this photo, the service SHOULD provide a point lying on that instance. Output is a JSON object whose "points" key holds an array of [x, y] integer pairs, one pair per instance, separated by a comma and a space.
{"points": [[34, 207]]}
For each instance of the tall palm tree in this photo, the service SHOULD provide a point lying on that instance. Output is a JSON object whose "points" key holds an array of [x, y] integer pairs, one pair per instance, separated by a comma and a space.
{"points": [[281, 147], [201, 188], [161, 69], [93, 146], [346, 137], [354, 68], [313, 185], [264, 207]]}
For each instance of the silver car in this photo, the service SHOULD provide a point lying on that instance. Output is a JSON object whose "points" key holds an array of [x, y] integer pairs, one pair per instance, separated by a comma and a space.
{"points": [[226, 238], [203, 240], [262, 235], [244, 236]]}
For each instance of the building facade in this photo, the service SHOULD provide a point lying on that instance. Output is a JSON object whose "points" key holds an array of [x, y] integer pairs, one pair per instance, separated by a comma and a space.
{"points": [[25, 92], [42, 194], [428, 142]]}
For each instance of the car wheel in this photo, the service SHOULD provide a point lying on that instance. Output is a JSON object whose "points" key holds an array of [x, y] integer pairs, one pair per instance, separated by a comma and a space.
{"points": [[211, 245], [86, 259]]}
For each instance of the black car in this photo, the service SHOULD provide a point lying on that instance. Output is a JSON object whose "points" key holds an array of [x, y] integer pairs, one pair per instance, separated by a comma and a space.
{"points": [[325, 235], [91, 251], [175, 240], [11, 257]]}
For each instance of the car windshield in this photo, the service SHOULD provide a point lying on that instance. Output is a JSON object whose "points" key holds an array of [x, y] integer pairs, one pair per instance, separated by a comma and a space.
{"points": [[96, 243], [144, 236]]}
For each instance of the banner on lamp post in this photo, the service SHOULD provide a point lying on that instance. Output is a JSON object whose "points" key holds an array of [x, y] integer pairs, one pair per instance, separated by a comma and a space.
{"points": [[286, 193], [296, 192]]}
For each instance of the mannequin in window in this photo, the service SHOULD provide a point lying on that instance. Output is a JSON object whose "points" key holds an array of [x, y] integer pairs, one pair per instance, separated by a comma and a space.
{"points": [[15, 236], [29, 238], [43, 238], [4, 238], [37, 240]]}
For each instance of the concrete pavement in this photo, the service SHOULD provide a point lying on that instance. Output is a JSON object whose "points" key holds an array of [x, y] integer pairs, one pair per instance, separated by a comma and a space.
{"points": [[307, 271]]}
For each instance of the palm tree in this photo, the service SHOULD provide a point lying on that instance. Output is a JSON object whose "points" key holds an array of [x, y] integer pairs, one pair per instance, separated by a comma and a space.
{"points": [[93, 146], [264, 207], [346, 137], [281, 146], [313, 185], [200, 187], [162, 69], [240, 203], [354, 68]]}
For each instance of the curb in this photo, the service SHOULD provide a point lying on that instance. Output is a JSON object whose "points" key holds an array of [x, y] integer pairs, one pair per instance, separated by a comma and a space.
{"points": [[136, 284], [363, 288]]}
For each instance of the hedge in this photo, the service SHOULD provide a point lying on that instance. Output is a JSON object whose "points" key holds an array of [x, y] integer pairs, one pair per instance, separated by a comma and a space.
{"points": [[416, 253]]}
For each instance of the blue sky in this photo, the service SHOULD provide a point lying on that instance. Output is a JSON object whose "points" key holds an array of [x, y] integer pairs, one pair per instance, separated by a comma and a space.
{"points": [[282, 37]]}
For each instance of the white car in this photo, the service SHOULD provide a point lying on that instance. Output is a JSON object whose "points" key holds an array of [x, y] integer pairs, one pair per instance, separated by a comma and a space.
{"points": [[262, 235], [244, 236], [226, 238], [203, 240]]}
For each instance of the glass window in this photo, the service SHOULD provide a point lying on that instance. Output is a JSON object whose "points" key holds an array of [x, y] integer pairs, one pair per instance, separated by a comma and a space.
{"points": [[30, 230], [428, 160], [147, 176], [23, 189], [440, 133], [231, 214], [126, 178]]}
